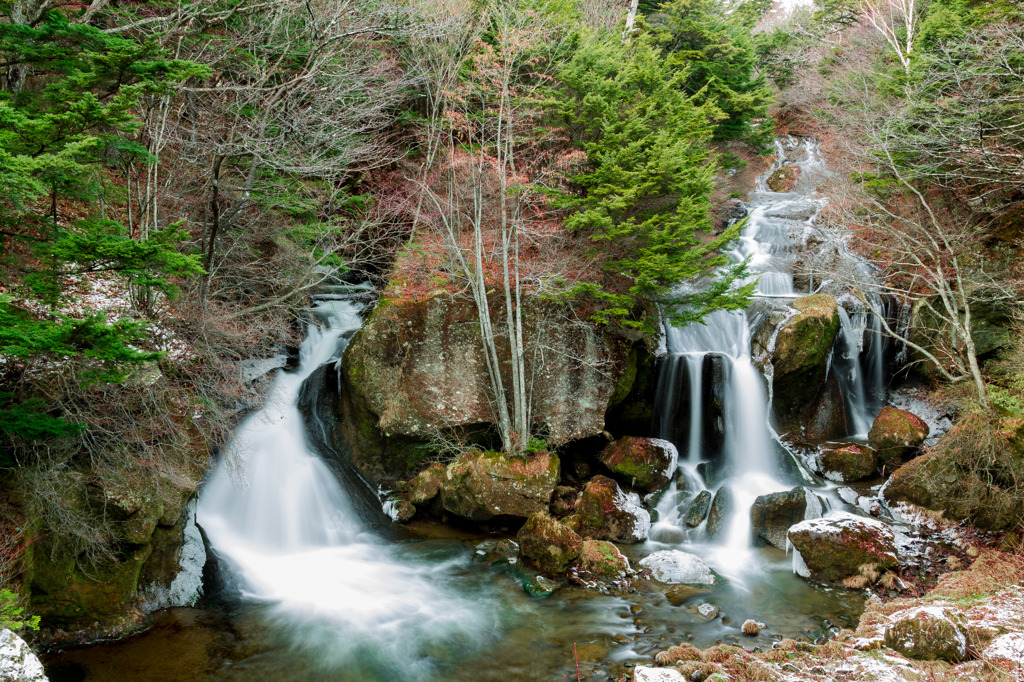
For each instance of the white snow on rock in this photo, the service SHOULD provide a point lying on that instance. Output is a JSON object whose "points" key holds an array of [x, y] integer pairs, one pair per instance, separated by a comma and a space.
{"points": [[645, 674], [673, 455], [835, 520], [17, 661], [633, 505], [673, 567], [187, 586], [1008, 647]]}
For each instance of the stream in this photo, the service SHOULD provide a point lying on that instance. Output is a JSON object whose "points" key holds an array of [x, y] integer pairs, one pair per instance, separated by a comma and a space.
{"points": [[313, 582]]}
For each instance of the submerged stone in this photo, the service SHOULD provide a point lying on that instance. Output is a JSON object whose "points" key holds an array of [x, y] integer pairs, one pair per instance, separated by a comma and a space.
{"points": [[604, 512], [722, 508], [645, 463], [698, 510]]}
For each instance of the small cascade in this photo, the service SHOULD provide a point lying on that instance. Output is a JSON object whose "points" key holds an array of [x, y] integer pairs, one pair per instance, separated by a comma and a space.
{"points": [[284, 527]]}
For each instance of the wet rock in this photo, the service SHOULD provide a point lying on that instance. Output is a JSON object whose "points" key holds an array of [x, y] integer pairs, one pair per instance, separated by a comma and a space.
{"points": [[482, 485], [772, 515], [847, 462], [400, 511], [783, 179], [602, 560], [563, 501], [18, 663], [798, 209], [497, 550], [674, 567], [645, 463], [644, 674], [800, 359], [834, 548], [709, 611], [604, 512], [751, 628], [698, 510], [928, 633], [714, 382], [547, 544], [678, 594], [722, 508], [895, 435], [426, 485]]}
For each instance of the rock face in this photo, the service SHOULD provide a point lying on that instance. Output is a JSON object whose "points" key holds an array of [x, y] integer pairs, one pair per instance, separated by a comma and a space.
{"points": [[783, 179], [774, 514], [482, 485], [722, 508], [928, 633], [17, 661], [645, 463], [895, 434], [604, 512], [673, 567], [602, 560], [847, 462], [698, 510], [834, 547], [549, 545], [417, 366], [799, 362]]}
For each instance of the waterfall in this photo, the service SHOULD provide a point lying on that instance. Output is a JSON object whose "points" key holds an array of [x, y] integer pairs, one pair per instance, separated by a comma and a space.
{"points": [[281, 523]]}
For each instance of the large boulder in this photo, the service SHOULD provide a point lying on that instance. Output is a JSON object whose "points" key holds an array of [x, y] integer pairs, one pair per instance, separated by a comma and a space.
{"points": [[699, 508], [645, 463], [895, 434], [417, 367], [482, 485], [602, 560], [18, 663], [783, 178], [834, 547], [604, 512], [847, 462], [549, 545], [800, 359], [674, 567], [772, 515], [928, 633]]}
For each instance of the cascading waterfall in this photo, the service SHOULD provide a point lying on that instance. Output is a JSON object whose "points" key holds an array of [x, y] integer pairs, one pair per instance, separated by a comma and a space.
{"points": [[279, 520]]}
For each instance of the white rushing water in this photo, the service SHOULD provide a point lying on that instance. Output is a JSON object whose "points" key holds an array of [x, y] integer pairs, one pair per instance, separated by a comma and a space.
{"points": [[280, 521]]}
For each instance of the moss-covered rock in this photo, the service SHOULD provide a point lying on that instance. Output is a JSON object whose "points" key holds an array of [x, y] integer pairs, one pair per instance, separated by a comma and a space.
{"points": [[604, 512], [928, 633], [847, 462], [896, 434], [699, 508], [426, 485], [602, 560], [783, 179], [549, 545], [834, 548], [482, 485], [799, 360], [645, 463], [563, 501]]}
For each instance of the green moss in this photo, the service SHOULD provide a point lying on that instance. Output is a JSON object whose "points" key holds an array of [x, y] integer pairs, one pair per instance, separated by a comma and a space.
{"points": [[624, 385]]}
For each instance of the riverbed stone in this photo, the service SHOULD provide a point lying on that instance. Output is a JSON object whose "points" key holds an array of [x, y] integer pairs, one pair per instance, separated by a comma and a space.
{"points": [[605, 512], [643, 673], [772, 515], [18, 663], [896, 434], [799, 360], [834, 547], [482, 485], [699, 508], [674, 567], [644, 463], [847, 462], [602, 560], [549, 545], [722, 508], [928, 633]]}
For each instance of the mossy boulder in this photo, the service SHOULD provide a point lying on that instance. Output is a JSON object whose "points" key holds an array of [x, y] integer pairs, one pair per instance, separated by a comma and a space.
{"points": [[783, 179], [604, 512], [772, 515], [602, 560], [834, 547], [699, 508], [417, 367], [482, 485], [548, 544], [928, 633], [896, 434], [644, 463], [800, 359], [426, 485], [847, 462]]}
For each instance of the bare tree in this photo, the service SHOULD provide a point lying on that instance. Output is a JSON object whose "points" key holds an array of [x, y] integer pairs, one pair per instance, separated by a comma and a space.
{"points": [[897, 21]]}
